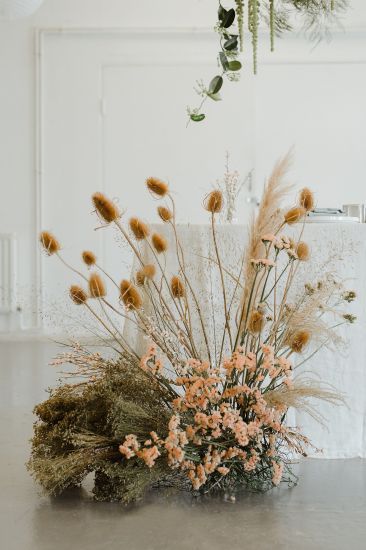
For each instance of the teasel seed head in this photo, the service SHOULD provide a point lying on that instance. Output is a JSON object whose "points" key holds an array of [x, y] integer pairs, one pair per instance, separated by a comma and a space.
{"points": [[49, 242], [139, 229], [294, 214], [306, 199], [147, 272], [214, 201], [157, 187], [106, 208], [256, 322], [299, 341], [177, 287], [96, 286], [159, 243], [130, 296], [303, 251], [165, 214], [89, 258], [78, 295]]}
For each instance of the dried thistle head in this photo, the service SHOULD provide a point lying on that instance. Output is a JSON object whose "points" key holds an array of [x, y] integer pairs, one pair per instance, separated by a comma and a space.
{"points": [[303, 251], [177, 287], [49, 243], [147, 272], [139, 229], [294, 214], [130, 296], [78, 295], [256, 321], [105, 207], [306, 199], [165, 214], [96, 286], [159, 243], [157, 187], [89, 258], [299, 341], [214, 201]]}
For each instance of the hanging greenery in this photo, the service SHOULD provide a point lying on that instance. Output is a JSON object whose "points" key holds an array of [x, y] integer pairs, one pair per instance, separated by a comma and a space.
{"points": [[317, 17]]}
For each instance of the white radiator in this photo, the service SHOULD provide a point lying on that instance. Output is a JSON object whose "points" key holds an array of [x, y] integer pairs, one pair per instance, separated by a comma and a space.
{"points": [[8, 275]]}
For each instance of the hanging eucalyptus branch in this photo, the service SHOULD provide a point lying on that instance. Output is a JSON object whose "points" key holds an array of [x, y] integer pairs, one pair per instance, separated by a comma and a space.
{"points": [[317, 17]]}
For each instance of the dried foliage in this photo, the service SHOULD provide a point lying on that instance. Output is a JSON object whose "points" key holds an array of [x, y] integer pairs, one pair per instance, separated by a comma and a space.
{"points": [[199, 408]]}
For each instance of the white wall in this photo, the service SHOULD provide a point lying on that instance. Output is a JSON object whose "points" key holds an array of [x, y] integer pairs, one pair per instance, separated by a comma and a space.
{"points": [[312, 99]]}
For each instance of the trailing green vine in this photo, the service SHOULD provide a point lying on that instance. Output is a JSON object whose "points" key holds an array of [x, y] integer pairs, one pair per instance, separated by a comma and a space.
{"points": [[317, 16]]}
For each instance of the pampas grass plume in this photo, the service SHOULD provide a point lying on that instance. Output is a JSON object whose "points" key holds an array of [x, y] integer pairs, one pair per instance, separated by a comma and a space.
{"points": [[78, 295], [177, 287], [49, 243], [157, 187], [294, 214], [96, 286], [105, 207], [214, 201], [159, 243], [306, 199], [165, 214], [130, 295], [139, 229], [89, 258]]}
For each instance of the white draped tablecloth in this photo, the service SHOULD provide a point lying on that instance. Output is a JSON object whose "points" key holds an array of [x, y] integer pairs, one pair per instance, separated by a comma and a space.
{"points": [[339, 248]]}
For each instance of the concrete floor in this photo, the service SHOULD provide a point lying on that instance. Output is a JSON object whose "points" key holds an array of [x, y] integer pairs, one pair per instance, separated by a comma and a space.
{"points": [[326, 511]]}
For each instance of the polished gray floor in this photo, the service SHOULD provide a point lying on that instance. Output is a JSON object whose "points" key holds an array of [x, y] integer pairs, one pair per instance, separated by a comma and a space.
{"points": [[327, 510]]}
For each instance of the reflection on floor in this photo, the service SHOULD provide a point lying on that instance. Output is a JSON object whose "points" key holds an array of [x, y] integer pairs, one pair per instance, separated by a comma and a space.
{"points": [[326, 511]]}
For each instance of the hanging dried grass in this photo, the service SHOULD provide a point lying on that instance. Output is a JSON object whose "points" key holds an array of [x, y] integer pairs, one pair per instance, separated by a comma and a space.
{"points": [[157, 187], [89, 258], [96, 286], [106, 209], [159, 243], [139, 229], [130, 296], [49, 243], [78, 295]]}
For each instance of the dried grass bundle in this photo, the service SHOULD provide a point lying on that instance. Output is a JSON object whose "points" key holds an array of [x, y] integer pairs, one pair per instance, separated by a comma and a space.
{"points": [[130, 296], [78, 295], [89, 258], [97, 287], [157, 187], [49, 243], [106, 209], [159, 243]]}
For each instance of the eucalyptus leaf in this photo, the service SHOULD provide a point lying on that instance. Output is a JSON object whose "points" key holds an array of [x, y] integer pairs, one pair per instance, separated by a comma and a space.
{"points": [[234, 65], [231, 44], [229, 19], [222, 13], [224, 61], [197, 117], [215, 85], [215, 97]]}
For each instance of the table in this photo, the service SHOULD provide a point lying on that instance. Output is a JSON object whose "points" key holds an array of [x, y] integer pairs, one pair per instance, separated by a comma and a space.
{"points": [[335, 247]]}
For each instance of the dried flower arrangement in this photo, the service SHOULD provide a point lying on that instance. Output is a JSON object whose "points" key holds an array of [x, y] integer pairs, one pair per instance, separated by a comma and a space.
{"points": [[187, 412], [317, 15]]}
